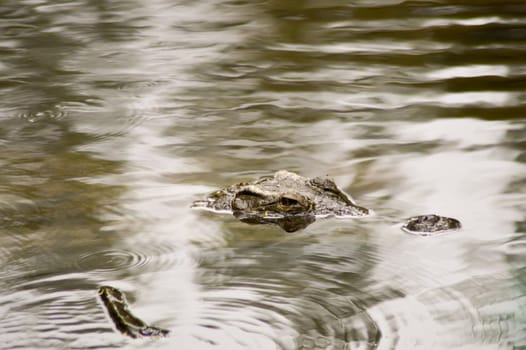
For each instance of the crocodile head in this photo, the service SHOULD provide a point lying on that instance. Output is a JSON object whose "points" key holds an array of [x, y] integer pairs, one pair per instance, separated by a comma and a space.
{"points": [[286, 199]]}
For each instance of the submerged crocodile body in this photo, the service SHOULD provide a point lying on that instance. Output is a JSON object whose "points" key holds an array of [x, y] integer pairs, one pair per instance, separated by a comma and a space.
{"points": [[293, 202], [285, 199]]}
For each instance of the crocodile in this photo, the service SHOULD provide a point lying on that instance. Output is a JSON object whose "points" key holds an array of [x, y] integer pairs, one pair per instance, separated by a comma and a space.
{"points": [[285, 199], [293, 202]]}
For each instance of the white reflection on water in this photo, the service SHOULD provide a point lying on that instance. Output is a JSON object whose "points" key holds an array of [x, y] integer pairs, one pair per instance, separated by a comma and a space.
{"points": [[478, 21], [462, 133], [435, 271], [371, 46], [456, 181], [468, 71], [394, 100], [362, 99], [418, 23], [408, 323]]}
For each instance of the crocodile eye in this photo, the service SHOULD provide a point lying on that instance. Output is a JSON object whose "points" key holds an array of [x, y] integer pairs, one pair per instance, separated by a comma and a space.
{"points": [[294, 203], [287, 202]]}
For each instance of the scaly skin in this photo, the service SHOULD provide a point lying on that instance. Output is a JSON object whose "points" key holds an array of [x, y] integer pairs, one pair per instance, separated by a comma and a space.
{"points": [[293, 202], [115, 302], [284, 194]]}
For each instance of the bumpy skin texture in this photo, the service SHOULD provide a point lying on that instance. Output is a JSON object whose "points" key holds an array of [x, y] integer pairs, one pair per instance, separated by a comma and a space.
{"points": [[285, 199], [426, 225], [284, 194], [293, 202], [115, 303]]}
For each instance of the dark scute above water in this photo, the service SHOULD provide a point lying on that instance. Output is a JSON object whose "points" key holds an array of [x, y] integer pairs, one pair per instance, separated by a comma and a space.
{"points": [[116, 305], [426, 225]]}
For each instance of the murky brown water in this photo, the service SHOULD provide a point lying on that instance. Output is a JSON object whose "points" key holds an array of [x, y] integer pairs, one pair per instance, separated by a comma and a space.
{"points": [[116, 115]]}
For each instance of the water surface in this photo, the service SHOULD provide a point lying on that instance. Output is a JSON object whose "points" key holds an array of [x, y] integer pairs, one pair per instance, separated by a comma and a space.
{"points": [[116, 115]]}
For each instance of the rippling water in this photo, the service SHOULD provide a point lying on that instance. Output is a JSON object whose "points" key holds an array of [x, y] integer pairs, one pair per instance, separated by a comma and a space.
{"points": [[116, 115]]}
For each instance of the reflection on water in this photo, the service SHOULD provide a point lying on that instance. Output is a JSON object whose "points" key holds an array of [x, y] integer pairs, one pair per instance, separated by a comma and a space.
{"points": [[117, 115]]}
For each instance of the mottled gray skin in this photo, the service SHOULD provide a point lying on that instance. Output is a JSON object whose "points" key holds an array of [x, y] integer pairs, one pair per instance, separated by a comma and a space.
{"points": [[116, 305], [425, 225], [284, 194], [293, 202], [284, 199]]}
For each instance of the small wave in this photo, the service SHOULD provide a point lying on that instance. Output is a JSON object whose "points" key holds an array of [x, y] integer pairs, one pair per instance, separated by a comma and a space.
{"points": [[56, 112], [113, 260], [45, 315], [452, 316], [145, 257]]}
